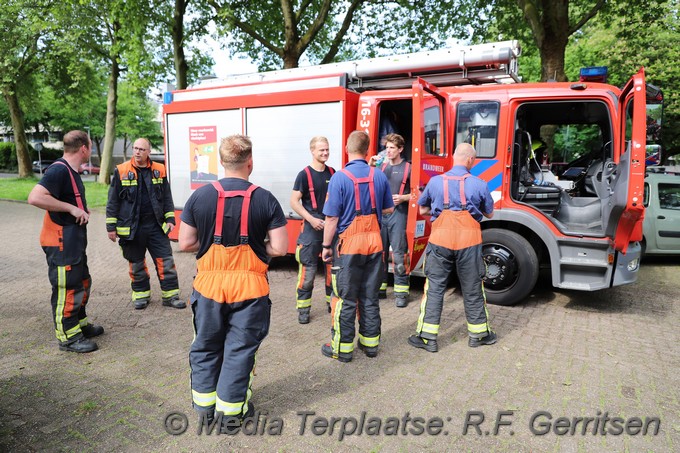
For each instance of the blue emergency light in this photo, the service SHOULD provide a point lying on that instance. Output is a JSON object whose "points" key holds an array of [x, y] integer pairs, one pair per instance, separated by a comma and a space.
{"points": [[593, 74], [167, 97]]}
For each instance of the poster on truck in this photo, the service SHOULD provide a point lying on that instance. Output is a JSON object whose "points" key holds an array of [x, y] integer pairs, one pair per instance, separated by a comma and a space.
{"points": [[203, 155]]}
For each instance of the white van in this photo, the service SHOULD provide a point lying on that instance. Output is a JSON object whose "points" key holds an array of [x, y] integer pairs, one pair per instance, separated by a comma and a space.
{"points": [[661, 226]]}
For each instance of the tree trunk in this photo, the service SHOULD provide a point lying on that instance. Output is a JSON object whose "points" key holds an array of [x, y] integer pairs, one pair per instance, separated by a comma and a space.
{"points": [[177, 32], [20, 142], [125, 145], [110, 128]]}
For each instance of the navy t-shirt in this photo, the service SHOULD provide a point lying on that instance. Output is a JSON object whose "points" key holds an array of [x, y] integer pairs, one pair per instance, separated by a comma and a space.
{"points": [[265, 214]]}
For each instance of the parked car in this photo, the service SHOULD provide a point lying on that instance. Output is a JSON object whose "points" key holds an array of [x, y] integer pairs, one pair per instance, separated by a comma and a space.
{"points": [[87, 169], [39, 165], [661, 227]]}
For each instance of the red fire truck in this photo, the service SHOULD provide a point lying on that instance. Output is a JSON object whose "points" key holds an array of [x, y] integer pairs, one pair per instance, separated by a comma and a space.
{"points": [[564, 161]]}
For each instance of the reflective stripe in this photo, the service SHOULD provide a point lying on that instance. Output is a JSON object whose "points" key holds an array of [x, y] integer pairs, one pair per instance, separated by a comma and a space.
{"points": [[128, 182], [123, 231], [170, 293], [423, 302], [165, 227], [401, 288], [430, 328], [136, 295], [204, 399], [111, 220], [227, 408], [61, 299], [303, 303], [83, 322], [370, 342], [477, 328], [156, 180], [337, 309], [328, 298], [383, 287], [170, 214], [346, 348]]}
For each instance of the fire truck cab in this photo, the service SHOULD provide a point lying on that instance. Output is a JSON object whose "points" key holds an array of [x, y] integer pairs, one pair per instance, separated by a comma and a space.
{"points": [[564, 161]]}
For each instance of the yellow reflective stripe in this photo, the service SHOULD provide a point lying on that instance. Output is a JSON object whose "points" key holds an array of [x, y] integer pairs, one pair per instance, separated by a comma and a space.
{"points": [[136, 295], [303, 303], [477, 328], [83, 322], [371, 342], [346, 348], [170, 214], [335, 341], [423, 302], [430, 328], [111, 220], [123, 231], [61, 299], [203, 399], [156, 180], [227, 408], [328, 298], [170, 293], [383, 287], [165, 227], [128, 182], [401, 288]]}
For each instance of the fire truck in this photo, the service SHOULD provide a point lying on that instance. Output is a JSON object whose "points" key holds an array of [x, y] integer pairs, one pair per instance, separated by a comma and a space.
{"points": [[565, 161]]}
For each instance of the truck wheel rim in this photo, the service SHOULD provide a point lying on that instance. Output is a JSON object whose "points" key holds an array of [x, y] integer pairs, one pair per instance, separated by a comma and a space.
{"points": [[501, 267]]}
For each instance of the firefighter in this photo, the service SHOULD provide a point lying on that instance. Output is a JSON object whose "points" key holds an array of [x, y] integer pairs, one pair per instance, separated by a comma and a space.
{"points": [[393, 229], [228, 223], [140, 212], [63, 238], [307, 200], [358, 196], [457, 202]]}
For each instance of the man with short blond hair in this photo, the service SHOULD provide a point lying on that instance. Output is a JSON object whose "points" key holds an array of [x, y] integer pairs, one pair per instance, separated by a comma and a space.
{"points": [[307, 200], [235, 227]]}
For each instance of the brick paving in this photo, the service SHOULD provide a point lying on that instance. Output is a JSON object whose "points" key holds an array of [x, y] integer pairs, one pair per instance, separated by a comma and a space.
{"points": [[570, 354]]}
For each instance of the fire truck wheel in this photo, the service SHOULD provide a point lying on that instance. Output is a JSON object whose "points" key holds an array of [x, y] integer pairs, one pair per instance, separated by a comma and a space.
{"points": [[511, 266]]}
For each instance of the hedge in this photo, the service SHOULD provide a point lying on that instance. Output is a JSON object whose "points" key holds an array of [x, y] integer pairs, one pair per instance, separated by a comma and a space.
{"points": [[8, 155]]}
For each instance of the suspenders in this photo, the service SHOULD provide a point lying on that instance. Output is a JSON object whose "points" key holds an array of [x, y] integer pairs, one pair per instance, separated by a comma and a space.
{"points": [[461, 179], [79, 198], [407, 167], [222, 195], [310, 183], [368, 179]]}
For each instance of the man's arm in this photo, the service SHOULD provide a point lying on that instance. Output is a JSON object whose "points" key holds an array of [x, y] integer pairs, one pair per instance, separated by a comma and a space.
{"points": [[329, 230], [112, 206], [41, 198], [168, 205], [278, 241], [296, 204], [425, 210], [188, 238]]}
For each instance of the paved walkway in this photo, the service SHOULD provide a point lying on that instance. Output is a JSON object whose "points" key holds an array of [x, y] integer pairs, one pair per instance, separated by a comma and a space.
{"points": [[568, 354]]}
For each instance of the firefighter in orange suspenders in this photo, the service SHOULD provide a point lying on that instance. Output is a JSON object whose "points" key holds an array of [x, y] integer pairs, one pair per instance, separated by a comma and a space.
{"points": [[228, 223], [64, 239], [358, 196], [307, 200], [393, 229], [457, 201], [141, 213]]}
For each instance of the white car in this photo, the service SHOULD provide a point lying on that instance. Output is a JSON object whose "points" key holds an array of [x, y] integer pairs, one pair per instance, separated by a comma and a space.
{"points": [[661, 228]]}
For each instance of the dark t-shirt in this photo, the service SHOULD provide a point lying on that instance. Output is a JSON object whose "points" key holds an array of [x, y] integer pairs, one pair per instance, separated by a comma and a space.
{"points": [[320, 180], [265, 214], [395, 175], [58, 183]]}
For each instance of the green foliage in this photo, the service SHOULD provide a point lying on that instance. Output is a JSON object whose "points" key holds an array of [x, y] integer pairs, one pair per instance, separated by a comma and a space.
{"points": [[137, 116], [8, 155], [19, 188]]}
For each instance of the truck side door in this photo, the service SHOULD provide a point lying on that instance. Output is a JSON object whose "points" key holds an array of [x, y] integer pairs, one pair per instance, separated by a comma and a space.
{"points": [[430, 157], [623, 213]]}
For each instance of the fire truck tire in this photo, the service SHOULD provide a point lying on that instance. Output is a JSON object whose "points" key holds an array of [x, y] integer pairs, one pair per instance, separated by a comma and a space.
{"points": [[511, 266]]}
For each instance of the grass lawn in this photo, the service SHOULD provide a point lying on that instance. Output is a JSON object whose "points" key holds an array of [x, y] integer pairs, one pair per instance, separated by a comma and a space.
{"points": [[19, 188]]}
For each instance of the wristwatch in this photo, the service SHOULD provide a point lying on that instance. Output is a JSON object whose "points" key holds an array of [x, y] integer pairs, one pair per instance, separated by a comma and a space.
{"points": [[326, 246]]}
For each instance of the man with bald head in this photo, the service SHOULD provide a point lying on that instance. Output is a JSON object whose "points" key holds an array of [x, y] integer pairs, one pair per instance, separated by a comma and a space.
{"points": [[140, 213], [457, 202]]}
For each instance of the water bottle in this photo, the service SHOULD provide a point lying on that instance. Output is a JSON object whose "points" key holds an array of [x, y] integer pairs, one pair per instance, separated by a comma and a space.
{"points": [[381, 159]]}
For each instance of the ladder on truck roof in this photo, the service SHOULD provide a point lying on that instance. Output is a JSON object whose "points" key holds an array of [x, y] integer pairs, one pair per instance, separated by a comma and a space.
{"points": [[463, 65]]}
